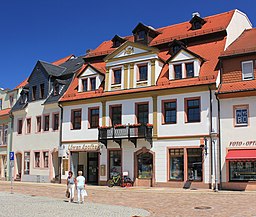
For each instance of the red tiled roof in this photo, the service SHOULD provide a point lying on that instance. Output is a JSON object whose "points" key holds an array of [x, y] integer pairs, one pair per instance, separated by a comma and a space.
{"points": [[179, 31], [245, 43], [237, 86], [4, 112], [22, 84], [63, 60]]}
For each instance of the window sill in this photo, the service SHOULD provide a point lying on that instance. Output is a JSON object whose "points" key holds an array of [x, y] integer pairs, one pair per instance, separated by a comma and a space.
{"points": [[192, 122], [75, 129], [169, 123], [241, 125]]}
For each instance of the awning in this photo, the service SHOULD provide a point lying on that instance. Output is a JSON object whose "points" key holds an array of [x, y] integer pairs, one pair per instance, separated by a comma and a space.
{"points": [[241, 154]]}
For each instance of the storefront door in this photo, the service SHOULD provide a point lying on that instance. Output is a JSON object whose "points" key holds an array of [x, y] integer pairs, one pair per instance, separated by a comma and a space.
{"points": [[92, 165]]}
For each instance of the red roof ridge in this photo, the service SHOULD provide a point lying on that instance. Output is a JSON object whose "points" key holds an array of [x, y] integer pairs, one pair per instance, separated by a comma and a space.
{"points": [[62, 60]]}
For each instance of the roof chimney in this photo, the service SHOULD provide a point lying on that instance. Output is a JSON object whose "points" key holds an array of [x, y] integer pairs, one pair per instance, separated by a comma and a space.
{"points": [[196, 14]]}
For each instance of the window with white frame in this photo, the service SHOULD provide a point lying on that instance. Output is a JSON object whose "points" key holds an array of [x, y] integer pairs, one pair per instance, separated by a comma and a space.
{"points": [[5, 138], [88, 84], [46, 159], [241, 115], [26, 163], [37, 159], [247, 70]]}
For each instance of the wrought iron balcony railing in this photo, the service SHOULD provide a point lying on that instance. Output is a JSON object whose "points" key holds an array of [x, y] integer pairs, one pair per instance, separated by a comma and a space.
{"points": [[130, 132]]}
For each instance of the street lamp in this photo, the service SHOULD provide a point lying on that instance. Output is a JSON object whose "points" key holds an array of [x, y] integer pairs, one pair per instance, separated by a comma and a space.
{"points": [[214, 137]]}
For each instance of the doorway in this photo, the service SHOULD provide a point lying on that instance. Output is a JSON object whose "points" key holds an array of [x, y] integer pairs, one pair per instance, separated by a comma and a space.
{"points": [[92, 167], [19, 166]]}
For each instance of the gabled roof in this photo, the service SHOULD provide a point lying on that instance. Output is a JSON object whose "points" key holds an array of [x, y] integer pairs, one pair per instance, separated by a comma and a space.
{"points": [[245, 43], [4, 112], [215, 23], [63, 60], [149, 29], [52, 69]]}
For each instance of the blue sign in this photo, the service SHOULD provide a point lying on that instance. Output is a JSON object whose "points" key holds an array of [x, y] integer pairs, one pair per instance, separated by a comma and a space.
{"points": [[11, 155]]}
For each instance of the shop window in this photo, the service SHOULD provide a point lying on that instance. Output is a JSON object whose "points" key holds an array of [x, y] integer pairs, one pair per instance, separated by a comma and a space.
{"points": [[247, 70], [116, 115], [46, 122], [142, 113], [19, 127], [64, 166], [177, 164], [242, 170], [76, 119], [145, 165], [38, 124], [34, 93], [241, 115], [93, 117], [37, 159], [26, 163], [170, 112], [56, 121], [194, 164], [178, 71], [117, 76], [41, 92], [192, 109], [115, 163], [189, 70], [46, 159], [93, 83], [28, 125], [143, 73], [85, 84]]}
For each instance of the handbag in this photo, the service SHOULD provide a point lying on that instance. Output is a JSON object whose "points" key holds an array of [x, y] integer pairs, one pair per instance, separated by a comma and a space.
{"points": [[67, 193]]}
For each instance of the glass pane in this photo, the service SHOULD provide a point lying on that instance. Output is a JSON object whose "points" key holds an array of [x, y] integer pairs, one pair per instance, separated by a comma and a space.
{"points": [[178, 71], [194, 164], [143, 73], [145, 165], [142, 115], [93, 83], [190, 70], [117, 76], [242, 116], [176, 164], [242, 170], [115, 163]]}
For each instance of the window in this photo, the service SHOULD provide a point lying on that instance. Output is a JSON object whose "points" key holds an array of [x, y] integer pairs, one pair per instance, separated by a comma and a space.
{"points": [[142, 113], [242, 170], [5, 139], [143, 73], [117, 43], [24, 98], [176, 164], [241, 115], [93, 83], [190, 69], [194, 164], [46, 159], [176, 48], [26, 163], [37, 159], [178, 71], [56, 121], [38, 124], [41, 93], [28, 125], [115, 163], [1, 135], [34, 93], [141, 35], [56, 89], [11, 99], [170, 112], [76, 118], [192, 110], [1, 104], [145, 165], [247, 70], [85, 85], [46, 122], [19, 127], [116, 115], [117, 76], [93, 117], [197, 25]]}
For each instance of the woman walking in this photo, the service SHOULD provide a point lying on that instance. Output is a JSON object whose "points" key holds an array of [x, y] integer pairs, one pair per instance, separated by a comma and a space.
{"points": [[71, 185], [80, 184]]}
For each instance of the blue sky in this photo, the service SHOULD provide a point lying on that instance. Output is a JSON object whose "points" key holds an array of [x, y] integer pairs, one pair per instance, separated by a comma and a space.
{"points": [[51, 29]]}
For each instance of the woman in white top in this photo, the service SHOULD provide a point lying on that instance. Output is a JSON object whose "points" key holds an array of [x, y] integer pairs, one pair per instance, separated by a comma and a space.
{"points": [[80, 185]]}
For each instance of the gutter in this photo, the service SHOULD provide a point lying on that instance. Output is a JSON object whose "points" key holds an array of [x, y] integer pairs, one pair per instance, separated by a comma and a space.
{"points": [[60, 140]]}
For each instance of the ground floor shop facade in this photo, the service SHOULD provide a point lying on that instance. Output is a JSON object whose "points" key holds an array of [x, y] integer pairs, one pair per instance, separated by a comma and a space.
{"points": [[164, 163]]}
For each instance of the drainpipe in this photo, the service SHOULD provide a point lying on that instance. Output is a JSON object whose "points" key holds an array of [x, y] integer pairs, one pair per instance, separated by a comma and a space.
{"points": [[60, 140], [210, 132]]}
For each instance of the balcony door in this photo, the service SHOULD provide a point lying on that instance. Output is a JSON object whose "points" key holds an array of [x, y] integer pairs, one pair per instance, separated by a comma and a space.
{"points": [[142, 113]]}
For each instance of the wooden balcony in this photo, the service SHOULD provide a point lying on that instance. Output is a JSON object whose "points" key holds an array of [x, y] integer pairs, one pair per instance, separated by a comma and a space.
{"points": [[129, 132]]}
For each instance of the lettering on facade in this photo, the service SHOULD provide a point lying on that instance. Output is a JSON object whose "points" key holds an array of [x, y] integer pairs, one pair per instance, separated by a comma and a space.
{"points": [[241, 143], [84, 147]]}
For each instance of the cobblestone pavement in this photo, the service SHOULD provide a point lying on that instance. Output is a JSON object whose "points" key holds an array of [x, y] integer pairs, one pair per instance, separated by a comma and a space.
{"points": [[160, 202]]}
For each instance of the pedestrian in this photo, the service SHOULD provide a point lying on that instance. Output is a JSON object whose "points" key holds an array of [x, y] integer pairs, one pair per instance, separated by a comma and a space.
{"points": [[80, 185], [71, 185]]}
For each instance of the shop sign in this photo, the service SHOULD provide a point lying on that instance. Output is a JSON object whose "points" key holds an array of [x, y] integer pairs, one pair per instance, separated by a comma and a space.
{"points": [[84, 147], [242, 143]]}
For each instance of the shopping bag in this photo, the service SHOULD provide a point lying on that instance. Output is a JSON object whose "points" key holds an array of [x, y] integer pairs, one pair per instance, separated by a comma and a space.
{"points": [[84, 193], [67, 193]]}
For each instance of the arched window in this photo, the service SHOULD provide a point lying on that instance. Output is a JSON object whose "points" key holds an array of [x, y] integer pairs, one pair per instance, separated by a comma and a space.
{"points": [[145, 165]]}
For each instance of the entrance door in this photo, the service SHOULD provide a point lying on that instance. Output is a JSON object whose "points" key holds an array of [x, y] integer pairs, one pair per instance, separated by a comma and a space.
{"points": [[92, 165]]}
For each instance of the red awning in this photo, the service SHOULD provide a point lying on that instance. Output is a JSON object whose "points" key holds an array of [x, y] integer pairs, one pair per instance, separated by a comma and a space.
{"points": [[241, 154]]}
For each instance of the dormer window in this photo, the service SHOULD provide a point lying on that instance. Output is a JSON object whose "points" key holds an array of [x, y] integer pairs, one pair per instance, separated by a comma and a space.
{"points": [[144, 34], [178, 71], [141, 35], [196, 22], [175, 47], [189, 70], [93, 83], [85, 84], [117, 41], [143, 73], [117, 76]]}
